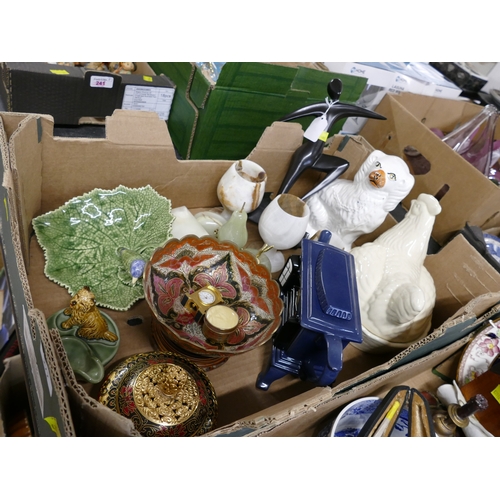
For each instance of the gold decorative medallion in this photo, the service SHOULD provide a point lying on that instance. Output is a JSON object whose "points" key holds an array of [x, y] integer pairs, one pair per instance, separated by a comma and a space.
{"points": [[166, 394], [163, 394]]}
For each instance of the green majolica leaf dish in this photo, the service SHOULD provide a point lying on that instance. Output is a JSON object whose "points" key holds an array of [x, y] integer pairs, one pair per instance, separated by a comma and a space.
{"points": [[83, 241]]}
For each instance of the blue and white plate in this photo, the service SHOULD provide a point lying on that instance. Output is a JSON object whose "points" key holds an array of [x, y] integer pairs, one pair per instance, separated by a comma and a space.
{"points": [[353, 417]]}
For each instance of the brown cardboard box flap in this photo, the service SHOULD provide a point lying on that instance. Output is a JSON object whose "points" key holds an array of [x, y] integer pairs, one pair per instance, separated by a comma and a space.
{"points": [[470, 196], [137, 128], [91, 419], [460, 275]]}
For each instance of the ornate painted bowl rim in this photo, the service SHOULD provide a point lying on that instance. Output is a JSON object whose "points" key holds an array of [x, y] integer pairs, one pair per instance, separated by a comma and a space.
{"points": [[187, 264], [163, 394], [479, 352]]}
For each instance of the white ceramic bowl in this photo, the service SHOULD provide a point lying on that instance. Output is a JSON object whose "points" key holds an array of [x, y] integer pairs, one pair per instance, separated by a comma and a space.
{"points": [[284, 221], [377, 345], [353, 417]]}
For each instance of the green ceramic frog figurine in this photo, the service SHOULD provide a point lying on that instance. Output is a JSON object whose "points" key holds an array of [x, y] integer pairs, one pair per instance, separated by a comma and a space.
{"points": [[83, 313]]}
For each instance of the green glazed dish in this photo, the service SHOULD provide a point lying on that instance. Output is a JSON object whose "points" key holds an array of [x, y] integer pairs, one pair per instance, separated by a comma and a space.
{"points": [[83, 241], [86, 357]]}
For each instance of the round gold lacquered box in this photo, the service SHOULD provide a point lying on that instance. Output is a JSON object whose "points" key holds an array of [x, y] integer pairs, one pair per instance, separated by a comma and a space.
{"points": [[163, 394]]}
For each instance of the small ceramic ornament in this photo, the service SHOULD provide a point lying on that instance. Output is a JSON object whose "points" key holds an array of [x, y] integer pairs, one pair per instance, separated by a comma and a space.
{"points": [[122, 68], [133, 262], [96, 66], [83, 313], [210, 221], [349, 209], [186, 223], [90, 337], [396, 292]]}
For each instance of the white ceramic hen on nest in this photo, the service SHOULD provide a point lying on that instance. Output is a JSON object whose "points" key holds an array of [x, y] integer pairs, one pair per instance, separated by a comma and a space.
{"points": [[396, 292], [349, 209]]}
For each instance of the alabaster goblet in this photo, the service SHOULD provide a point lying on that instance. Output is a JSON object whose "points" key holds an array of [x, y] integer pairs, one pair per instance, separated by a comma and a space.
{"points": [[282, 225], [242, 185]]}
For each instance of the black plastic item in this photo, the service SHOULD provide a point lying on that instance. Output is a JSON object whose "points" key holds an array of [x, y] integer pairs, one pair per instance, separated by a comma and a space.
{"points": [[399, 392], [310, 153], [420, 422]]}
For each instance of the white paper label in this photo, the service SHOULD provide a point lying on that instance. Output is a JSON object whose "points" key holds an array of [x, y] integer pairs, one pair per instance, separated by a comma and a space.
{"points": [[143, 98], [105, 82], [316, 128]]}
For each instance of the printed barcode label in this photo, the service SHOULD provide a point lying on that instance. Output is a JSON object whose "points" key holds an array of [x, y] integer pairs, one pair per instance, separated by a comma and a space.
{"points": [[144, 98]]}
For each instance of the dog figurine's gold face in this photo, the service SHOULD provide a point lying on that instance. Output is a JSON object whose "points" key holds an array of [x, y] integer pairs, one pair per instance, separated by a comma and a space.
{"points": [[377, 178], [83, 313]]}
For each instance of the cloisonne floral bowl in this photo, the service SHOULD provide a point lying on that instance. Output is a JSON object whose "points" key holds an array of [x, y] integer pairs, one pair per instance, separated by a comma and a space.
{"points": [[184, 266], [479, 353]]}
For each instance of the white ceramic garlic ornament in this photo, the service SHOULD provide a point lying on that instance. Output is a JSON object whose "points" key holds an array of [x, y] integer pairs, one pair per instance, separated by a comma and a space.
{"points": [[396, 292], [349, 209]]}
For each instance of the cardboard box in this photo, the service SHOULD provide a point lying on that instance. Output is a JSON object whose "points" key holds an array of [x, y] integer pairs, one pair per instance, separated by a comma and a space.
{"points": [[469, 197], [224, 120], [73, 95], [41, 172]]}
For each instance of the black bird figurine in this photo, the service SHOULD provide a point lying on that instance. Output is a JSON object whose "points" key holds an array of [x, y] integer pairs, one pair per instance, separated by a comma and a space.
{"points": [[310, 154]]}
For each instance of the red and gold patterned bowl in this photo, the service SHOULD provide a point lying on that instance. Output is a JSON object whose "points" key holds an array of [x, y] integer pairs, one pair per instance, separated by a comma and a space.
{"points": [[184, 266]]}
